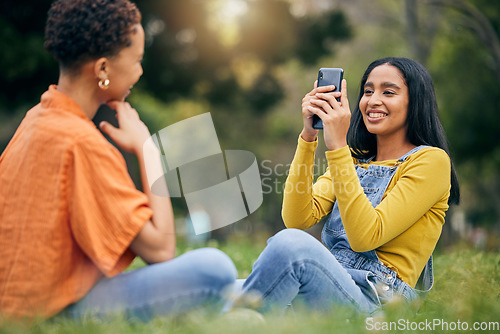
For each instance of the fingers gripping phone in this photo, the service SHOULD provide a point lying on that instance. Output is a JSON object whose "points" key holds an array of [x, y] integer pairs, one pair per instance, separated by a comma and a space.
{"points": [[326, 77]]}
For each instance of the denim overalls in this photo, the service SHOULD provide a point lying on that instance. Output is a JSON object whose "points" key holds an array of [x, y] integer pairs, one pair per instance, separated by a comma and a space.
{"points": [[376, 281]]}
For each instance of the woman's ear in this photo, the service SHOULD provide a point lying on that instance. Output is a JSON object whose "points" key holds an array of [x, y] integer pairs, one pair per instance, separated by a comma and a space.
{"points": [[101, 68]]}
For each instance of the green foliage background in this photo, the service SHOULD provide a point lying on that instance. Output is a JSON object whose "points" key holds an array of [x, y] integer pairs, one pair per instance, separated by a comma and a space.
{"points": [[249, 63]]}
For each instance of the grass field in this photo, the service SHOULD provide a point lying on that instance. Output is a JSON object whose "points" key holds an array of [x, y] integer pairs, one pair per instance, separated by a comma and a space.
{"points": [[465, 299]]}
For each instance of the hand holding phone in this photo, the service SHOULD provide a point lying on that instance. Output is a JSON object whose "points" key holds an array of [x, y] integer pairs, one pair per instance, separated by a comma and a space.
{"points": [[327, 77]]}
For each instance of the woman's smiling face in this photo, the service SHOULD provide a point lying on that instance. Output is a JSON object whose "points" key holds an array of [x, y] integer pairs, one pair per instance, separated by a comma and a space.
{"points": [[384, 104], [125, 69]]}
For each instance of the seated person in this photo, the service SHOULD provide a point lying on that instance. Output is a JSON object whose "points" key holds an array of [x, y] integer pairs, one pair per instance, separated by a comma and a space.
{"points": [[71, 219]]}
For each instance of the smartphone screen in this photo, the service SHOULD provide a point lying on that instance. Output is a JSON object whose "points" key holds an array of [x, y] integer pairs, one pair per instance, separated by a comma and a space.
{"points": [[326, 77]]}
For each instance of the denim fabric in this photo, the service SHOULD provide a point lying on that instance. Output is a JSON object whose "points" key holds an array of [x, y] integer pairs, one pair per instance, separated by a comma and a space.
{"points": [[374, 180], [194, 279], [295, 266]]}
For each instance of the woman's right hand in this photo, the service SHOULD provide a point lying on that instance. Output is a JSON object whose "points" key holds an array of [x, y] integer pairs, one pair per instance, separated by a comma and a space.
{"points": [[131, 133], [309, 133]]}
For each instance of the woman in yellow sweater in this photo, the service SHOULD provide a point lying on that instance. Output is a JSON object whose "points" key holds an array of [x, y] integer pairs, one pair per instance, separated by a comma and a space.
{"points": [[385, 194]]}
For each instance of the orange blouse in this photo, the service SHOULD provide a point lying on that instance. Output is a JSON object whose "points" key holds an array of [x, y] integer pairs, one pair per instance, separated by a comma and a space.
{"points": [[68, 210]]}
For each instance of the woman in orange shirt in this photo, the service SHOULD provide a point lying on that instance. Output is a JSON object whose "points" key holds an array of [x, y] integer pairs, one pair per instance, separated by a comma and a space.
{"points": [[71, 219], [384, 197]]}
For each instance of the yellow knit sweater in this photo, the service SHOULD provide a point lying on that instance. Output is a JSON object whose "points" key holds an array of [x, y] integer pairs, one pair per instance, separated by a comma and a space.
{"points": [[403, 229]]}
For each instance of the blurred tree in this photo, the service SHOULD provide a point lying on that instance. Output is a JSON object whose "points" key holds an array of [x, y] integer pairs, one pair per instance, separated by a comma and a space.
{"points": [[463, 55], [188, 53], [465, 62], [483, 22], [203, 48], [27, 68], [467, 68], [421, 33], [220, 56], [195, 48]]}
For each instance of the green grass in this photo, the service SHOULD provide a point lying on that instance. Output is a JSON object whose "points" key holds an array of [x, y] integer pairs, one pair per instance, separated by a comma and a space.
{"points": [[467, 289]]}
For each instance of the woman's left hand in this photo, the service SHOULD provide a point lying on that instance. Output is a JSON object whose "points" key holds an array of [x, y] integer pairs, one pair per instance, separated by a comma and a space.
{"points": [[336, 116]]}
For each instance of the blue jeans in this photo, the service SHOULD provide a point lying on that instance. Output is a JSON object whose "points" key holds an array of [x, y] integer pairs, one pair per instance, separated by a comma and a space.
{"points": [[296, 267], [197, 278]]}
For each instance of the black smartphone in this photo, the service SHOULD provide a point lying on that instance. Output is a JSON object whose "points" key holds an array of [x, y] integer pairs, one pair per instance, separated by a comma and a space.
{"points": [[326, 77]]}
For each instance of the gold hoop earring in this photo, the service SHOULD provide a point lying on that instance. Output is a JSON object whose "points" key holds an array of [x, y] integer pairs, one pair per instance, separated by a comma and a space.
{"points": [[103, 83]]}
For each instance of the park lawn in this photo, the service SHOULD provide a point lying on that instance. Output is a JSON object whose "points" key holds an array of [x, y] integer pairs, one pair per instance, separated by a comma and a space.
{"points": [[466, 294]]}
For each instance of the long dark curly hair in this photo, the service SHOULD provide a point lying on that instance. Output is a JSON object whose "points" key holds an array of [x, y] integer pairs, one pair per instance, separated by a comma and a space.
{"points": [[81, 30]]}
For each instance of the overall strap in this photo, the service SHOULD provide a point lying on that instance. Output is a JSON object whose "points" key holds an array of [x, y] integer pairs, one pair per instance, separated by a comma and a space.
{"points": [[404, 157], [416, 149], [401, 159]]}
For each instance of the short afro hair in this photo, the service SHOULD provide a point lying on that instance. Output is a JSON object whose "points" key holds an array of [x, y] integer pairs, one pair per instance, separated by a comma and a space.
{"points": [[78, 31]]}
